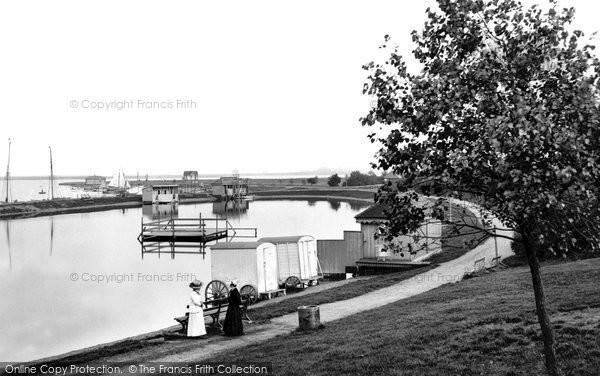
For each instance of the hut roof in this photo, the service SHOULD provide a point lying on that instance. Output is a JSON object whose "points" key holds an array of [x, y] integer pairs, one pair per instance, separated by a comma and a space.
{"points": [[227, 180], [237, 245], [390, 176], [373, 212], [377, 211], [283, 239]]}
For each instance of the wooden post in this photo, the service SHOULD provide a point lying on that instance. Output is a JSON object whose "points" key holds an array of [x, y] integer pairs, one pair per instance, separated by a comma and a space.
{"points": [[142, 236], [427, 237], [496, 242]]}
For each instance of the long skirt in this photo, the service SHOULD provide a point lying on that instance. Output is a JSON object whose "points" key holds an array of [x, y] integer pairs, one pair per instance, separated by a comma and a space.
{"points": [[233, 322], [196, 325]]}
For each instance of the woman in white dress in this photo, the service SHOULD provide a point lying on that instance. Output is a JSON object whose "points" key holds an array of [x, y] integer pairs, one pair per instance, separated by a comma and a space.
{"points": [[196, 326]]}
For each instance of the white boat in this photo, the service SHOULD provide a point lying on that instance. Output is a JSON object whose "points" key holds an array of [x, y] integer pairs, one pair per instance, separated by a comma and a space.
{"points": [[117, 184]]}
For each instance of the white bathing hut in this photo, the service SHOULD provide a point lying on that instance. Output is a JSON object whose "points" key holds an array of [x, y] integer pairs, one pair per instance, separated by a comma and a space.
{"points": [[161, 194], [297, 260], [252, 264]]}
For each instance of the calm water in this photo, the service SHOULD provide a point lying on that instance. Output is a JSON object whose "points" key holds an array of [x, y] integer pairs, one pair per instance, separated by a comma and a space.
{"points": [[76, 280], [27, 190]]}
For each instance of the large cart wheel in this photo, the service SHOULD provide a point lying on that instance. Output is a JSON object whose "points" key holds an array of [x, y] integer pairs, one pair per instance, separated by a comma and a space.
{"points": [[216, 290], [250, 293], [293, 283]]}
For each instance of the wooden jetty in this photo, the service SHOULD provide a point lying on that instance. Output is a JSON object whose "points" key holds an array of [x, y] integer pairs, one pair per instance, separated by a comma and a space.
{"points": [[175, 235]]}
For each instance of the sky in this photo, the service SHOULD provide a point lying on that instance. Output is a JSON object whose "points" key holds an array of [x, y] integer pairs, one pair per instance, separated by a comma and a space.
{"points": [[156, 87]]}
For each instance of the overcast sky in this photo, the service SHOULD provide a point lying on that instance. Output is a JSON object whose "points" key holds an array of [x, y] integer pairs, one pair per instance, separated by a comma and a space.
{"points": [[276, 85]]}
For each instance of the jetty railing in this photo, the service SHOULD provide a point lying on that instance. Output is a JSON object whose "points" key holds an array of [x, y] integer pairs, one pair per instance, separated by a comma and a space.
{"points": [[177, 234]]}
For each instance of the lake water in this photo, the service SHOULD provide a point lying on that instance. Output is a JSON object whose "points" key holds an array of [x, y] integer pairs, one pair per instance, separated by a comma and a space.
{"points": [[36, 189], [76, 280]]}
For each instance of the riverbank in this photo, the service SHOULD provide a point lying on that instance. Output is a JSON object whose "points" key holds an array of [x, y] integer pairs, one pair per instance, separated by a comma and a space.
{"points": [[29, 209], [483, 325], [32, 209], [356, 194]]}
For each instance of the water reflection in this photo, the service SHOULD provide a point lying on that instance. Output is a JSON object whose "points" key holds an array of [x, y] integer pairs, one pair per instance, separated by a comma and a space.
{"points": [[7, 225], [231, 208], [335, 205], [160, 211], [51, 234], [358, 205]]}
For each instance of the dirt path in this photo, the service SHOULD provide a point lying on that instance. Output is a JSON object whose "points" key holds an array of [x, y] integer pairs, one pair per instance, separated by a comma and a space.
{"points": [[184, 350]]}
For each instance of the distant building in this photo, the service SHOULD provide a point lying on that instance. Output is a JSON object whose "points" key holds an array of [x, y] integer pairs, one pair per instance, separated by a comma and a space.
{"points": [[389, 177], [161, 194], [230, 187], [190, 175], [95, 180]]}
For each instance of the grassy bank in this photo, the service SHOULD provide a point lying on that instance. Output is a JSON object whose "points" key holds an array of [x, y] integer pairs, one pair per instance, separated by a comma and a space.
{"points": [[458, 241], [32, 208], [351, 290], [486, 325], [77, 205], [346, 193]]}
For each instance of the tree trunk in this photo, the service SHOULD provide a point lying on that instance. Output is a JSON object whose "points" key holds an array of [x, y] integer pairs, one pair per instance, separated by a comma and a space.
{"points": [[540, 303]]}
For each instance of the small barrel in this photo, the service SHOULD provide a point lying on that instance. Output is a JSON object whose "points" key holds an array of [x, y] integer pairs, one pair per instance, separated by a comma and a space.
{"points": [[309, 317]]}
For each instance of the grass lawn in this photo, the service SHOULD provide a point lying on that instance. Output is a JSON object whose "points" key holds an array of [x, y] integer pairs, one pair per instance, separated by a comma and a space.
{"points": [[344, 292], [455, 245], [481, 326]]}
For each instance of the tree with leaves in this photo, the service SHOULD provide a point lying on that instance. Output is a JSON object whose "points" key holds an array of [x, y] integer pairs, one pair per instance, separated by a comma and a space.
{"points": [[313, 181], [505, 113], [357, 178], [334, 180]]}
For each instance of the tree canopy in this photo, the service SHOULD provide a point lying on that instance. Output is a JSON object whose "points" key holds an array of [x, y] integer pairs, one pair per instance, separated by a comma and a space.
{"points": [[357, 178], [334, 180], [505, 109], [504, 112], [313, 181]]}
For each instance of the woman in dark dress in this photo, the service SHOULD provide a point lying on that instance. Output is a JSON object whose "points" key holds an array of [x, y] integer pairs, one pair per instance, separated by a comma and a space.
{"points": [[233, 319]]}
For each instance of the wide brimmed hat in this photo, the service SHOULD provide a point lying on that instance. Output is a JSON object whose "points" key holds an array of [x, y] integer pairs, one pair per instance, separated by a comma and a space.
{"points": [[233, 282], [196, 284]]}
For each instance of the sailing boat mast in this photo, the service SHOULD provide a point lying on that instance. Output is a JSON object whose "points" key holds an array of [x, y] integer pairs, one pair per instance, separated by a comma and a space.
{"points": [[51, 175], [8, 173]]}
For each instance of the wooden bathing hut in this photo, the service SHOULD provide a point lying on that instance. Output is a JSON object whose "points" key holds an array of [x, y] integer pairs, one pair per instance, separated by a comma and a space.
{"points": [[161, 194], [364, 250], [297, 260], [252, 264], [230, 187]]}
